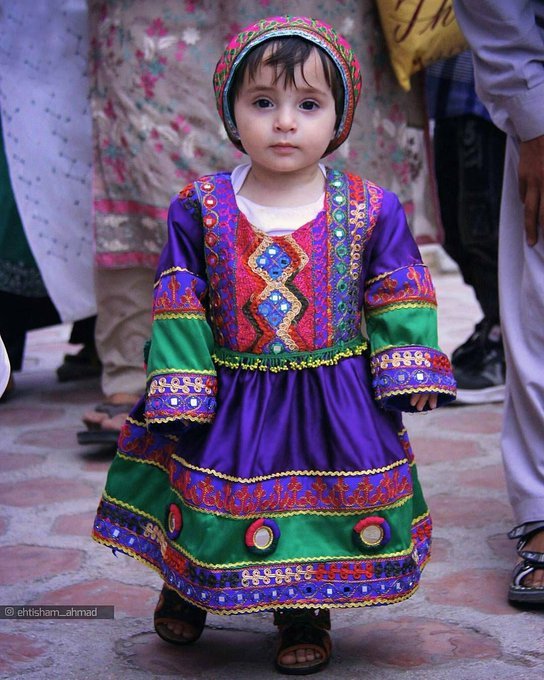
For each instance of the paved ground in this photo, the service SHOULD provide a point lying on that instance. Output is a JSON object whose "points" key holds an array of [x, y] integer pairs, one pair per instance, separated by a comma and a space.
{"points": [[457, 626]]}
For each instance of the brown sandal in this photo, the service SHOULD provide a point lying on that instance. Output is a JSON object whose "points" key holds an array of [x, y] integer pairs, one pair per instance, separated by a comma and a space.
{"points": [[171, 608], [303, 629]]}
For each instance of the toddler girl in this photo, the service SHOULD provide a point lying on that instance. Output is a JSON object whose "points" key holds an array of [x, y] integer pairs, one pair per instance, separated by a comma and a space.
{"points": [[267, 467]]}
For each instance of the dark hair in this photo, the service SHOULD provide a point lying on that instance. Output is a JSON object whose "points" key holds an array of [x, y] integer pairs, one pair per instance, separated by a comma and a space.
{"points": [[284, 57]]}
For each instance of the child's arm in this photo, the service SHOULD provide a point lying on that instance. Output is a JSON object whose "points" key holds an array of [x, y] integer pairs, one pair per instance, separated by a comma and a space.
{"points": [[181, 377], [409, 370]]}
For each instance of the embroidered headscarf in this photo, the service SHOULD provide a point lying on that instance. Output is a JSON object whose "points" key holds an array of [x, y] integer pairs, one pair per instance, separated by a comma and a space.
{"points": [[320, 34]]}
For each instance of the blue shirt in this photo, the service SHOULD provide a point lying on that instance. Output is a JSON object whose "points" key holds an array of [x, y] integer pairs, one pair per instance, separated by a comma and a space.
{"points": [[449, 89]]}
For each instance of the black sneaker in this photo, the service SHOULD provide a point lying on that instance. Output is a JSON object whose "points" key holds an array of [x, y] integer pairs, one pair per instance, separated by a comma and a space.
{"points": [[85, 364], [481, 380], [471, 350]]}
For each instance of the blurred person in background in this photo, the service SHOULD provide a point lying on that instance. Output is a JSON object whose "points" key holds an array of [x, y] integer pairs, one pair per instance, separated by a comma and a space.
{"points": [[45, 179], [468, 163], [507, 40]]}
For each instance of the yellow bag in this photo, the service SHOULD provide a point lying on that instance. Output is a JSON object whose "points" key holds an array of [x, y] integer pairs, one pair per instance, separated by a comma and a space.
{"points": [[418, 32]]}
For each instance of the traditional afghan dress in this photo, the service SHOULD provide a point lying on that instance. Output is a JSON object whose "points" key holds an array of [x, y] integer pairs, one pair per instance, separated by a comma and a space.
{"points": [[268, 466]]}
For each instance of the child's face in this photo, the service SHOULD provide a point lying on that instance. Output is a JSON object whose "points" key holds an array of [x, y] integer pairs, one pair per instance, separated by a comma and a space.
{"points": [[286, 128]]}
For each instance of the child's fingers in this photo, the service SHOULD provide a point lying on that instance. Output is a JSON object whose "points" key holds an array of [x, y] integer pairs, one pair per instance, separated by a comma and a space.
{"points": [[419, 401]]}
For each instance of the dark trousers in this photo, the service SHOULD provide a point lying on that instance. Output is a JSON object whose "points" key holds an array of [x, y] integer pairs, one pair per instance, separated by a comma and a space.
{"points": [[20, 314], [469, 162]]}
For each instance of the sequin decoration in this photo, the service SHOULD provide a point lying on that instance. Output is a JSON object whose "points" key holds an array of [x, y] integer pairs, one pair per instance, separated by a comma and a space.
{"points": [[371, 533], [174, 521], [262, 536]]}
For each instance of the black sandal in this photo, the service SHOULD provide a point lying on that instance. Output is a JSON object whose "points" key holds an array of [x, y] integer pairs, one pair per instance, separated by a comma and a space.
{"points": [[172, 608], [517, 592], [303, 628]]}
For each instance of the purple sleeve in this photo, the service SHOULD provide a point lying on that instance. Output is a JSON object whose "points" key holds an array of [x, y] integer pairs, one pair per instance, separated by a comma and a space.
{"points": [[181, 377], [400, 314]]}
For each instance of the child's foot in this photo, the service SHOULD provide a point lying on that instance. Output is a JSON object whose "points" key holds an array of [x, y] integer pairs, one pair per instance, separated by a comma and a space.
{"points": [[176, 620], [305, 645], [300, 656]]}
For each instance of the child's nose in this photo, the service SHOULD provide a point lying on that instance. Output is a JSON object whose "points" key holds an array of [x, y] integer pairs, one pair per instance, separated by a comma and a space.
{"points": [[285, 119]]}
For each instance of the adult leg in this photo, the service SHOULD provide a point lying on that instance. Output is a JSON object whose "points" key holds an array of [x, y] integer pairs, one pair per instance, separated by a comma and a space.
{"points": [[123, 325], [482, 147], [521, 283], [85, 363], [20, 314], [469, 157]]}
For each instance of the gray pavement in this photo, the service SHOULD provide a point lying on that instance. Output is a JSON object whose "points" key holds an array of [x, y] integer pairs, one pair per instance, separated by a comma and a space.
{"points": [[458, 625]]}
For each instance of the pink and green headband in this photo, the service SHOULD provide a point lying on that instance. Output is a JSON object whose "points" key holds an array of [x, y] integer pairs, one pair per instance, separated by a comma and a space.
{"points": [[320, 34]]}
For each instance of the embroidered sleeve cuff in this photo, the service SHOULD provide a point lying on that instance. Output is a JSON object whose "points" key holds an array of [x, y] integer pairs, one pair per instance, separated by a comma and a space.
{"points": [[400, 372], [178, 399]]}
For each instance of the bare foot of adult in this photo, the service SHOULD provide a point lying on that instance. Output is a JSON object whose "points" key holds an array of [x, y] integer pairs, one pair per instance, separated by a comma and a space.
{"points": [[111, 413], [536, 578], [527, 587]]}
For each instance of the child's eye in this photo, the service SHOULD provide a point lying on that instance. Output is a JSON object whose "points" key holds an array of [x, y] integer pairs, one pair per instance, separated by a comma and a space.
{"points": [[309, 105], [262, 103]]}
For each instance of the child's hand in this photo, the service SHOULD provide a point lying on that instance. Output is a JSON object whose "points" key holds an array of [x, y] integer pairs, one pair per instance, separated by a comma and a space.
{"points": [[421, 400]]}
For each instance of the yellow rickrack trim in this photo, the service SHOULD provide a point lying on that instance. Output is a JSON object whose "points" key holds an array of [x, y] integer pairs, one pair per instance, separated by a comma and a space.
{"points": [[143, 461], [266, 606], [179, 315], [385, 275], [290, 473], [295, 513], [417, 390], [172, 419], [394, 306], [251, 563], [138, 423], [179, 371], [419, 519], [128, 506], [300, 360], [167, 272]]}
